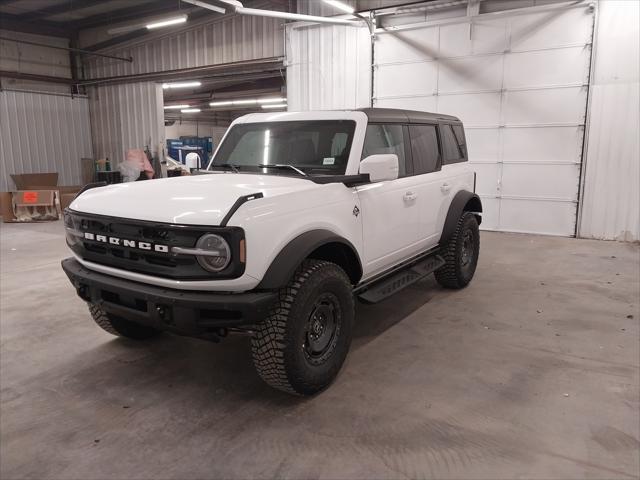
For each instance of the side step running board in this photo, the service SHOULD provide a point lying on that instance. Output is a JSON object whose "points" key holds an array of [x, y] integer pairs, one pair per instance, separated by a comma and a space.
{"points": [[397, 281]]}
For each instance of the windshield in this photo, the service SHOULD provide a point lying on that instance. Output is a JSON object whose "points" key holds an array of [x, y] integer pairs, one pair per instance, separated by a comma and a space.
{"points": [[312, 147]]}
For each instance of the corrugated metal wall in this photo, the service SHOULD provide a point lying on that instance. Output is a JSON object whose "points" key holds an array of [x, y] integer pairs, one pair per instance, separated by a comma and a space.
{"points": [[611, 201], [226, 39], [328, 67], [126, 116], [43, 133], [32, 59]]}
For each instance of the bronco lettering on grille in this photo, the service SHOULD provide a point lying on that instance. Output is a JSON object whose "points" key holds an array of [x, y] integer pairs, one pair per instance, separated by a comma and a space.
{"points": [[126, 243]]}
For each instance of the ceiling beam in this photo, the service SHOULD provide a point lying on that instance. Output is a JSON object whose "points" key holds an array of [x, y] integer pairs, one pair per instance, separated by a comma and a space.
{"points": [[14, 23], [56, 9], [141, 32], [35, 77], [129, 13]]}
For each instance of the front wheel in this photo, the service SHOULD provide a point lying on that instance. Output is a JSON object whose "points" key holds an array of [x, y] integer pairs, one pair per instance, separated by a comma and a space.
{"points": [[460, 253], [304, 341]]}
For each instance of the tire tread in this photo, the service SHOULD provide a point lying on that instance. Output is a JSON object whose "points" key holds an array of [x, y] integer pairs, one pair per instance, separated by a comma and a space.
{"points": [[269, 341], [447, 275]]}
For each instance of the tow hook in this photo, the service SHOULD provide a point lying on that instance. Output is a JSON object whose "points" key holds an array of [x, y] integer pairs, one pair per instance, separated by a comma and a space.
{"points": [[164, 314], [83, 293]]}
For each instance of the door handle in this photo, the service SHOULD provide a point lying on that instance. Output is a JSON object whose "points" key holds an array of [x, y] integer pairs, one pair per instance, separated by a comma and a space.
{"points": [[445, 187], [410, 196]]}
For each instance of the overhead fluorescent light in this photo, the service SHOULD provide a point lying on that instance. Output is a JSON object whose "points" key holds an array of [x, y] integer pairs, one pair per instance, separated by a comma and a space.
{"points": [[167, 22], [125, 29], [190, 110], [248, 101], [181, 85], [175, 107], [251, 101], [340, 6], [272, 100], [279, 105]]}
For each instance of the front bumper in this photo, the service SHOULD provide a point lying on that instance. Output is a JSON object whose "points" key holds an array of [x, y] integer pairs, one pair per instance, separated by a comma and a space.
{"points": [[191, 313]]}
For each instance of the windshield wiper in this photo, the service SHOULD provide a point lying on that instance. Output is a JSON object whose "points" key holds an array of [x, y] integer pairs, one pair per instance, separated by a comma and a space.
{"points": [[228, 165], [281, 165]]}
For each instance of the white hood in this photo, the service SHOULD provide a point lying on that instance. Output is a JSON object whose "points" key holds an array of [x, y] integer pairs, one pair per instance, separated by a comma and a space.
{"points": [[195, 200]]}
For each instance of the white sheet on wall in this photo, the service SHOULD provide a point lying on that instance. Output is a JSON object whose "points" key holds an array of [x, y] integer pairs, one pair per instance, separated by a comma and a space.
{"points": [[611, 200], [328, 67]]}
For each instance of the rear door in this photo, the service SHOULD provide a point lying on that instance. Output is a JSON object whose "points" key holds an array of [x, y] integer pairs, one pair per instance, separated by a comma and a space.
{"points": [[457, 173], [433, 198], [389, 209]]}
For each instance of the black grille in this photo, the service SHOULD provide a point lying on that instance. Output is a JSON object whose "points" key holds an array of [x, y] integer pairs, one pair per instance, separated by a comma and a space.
{"points": [[155, 263]]}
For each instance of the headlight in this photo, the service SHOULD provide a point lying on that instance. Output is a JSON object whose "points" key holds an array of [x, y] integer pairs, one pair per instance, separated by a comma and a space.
{"points": [[215, 255]]}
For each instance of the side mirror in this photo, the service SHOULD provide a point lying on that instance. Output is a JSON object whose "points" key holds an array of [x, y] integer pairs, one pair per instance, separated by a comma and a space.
{"points": [[380, 167]]}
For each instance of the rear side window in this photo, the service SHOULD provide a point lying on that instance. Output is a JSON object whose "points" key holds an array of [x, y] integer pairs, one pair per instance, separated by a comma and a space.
{"points": [[453, 147], [381, 139], [424, 148]]}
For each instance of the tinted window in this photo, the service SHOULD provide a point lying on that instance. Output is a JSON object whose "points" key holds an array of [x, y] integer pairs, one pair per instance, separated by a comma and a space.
{"points": [[424, 148], [451, 149], [381, 139], [458, 131]]}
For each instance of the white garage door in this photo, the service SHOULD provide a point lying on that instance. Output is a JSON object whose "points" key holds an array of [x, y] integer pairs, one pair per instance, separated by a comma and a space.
{"points": [[519, 83]]}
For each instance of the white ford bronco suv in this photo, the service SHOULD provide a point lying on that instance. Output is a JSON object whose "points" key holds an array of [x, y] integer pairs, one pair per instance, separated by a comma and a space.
{"points": [[296, 216]]}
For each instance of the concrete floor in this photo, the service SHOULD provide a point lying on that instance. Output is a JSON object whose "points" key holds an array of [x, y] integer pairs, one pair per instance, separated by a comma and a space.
{"points": [[530, 372]]}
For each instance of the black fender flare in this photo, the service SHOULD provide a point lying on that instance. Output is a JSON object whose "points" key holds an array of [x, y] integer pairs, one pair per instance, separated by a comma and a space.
{"points": [[464, 201], [296, 251]]}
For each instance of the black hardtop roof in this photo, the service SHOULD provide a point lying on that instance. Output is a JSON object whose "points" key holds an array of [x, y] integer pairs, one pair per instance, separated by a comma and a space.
{"points": [[393, 115]]}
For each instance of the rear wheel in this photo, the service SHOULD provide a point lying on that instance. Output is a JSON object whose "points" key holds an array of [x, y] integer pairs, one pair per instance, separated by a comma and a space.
{"points": [[460, 254], [119, 326], [304, 341]]}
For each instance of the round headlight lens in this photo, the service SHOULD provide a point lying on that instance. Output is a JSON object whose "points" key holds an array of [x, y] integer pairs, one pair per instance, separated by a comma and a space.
{"points": [[218, 253]]}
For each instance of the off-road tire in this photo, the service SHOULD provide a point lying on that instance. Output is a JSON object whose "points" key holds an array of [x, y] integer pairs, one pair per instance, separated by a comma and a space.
{"points": [[280, 344], [119, 326], [453, 274]]}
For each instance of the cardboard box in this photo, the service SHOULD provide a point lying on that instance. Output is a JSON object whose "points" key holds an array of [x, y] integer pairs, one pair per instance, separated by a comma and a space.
{"points": [[35, 205], [39, 194], [6, 207], [27, 181]]}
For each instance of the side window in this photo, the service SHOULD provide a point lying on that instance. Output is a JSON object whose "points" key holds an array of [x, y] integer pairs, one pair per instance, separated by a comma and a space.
{"points": [[458, 131], [451, 149], [424, 148], [385, 139]]}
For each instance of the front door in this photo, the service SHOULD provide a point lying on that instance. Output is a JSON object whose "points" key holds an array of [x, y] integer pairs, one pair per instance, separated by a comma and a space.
{"points": [[389, 209]]}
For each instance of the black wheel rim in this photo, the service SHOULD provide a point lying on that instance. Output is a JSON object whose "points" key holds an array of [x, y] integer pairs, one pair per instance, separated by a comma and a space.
{"points": [[468, 249], [323, 328]]}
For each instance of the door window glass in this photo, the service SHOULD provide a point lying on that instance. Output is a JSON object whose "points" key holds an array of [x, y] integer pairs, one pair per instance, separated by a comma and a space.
{"points": [[380, 139], [424, 148], [451, 150]]}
